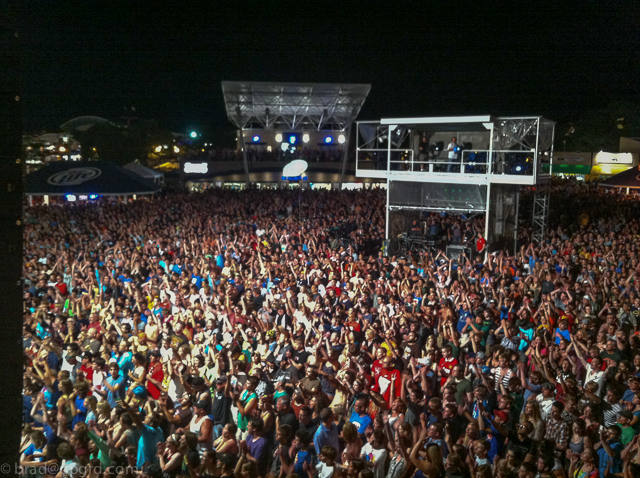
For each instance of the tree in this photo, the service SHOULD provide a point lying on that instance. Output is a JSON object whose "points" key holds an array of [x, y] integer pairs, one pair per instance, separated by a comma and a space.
{"points": [[599, 129], [122, 144]]}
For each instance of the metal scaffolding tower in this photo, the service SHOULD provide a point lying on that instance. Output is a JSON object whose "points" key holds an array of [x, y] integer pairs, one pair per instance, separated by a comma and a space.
{"points": [[540, 215]]}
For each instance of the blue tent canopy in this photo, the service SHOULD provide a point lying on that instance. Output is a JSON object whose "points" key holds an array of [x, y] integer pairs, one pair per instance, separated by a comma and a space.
{"points": [[95, 177]]}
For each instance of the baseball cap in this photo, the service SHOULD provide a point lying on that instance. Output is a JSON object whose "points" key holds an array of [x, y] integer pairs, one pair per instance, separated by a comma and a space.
{"points": [[548, 386], [202, 404], [221, 380], [625, 414]]}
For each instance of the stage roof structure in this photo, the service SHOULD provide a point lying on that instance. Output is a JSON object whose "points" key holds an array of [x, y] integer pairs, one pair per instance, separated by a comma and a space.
{"points": [[293, 106]]}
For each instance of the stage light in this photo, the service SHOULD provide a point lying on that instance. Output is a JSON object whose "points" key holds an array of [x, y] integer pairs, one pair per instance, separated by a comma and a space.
{"points": [[292, 139], [158, 149], [176, 149], [279, 138], [328, 140], [269, 149], [62, 149], [305, 138], [341, 139], [284, 146], [194, 134], [255, 139], [518, 168], [93, 196], [71, 197]]}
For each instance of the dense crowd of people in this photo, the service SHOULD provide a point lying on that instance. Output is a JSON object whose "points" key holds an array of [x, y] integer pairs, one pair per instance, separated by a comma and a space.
{"points": [[260, 334]]}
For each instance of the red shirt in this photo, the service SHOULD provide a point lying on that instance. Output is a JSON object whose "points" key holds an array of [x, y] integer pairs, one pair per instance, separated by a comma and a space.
{"points": [[481, 244], [156, 373], [384, 388], [376, 368], [62, 287], [88, 371], [446, 366]]}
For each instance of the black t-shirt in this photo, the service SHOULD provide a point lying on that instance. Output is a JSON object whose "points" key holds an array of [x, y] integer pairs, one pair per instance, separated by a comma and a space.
{"points": [[300, 356], [291, 420], [412, 417], [525, 447], [409, 351], [221, 409], [309, 429]]}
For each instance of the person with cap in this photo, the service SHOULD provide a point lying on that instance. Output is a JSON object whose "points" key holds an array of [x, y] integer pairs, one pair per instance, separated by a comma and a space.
{"points": [[220, 406], [86, 368], [198, 388], [202, 426], [70, 363]]}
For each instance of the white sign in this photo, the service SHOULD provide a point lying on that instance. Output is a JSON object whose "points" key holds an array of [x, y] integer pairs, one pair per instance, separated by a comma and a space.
{"points": [[295, 168], [196, 168], [613, 158], [73, 177]]}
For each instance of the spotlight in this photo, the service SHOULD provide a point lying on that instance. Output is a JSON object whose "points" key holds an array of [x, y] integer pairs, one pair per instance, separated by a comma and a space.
{"points": [[328, 140], [284, 146], [292, 139], [176, 149], [341, 139], [305, 138], [279, 138], [193, 134], [93, 196], [158, 149], [518, 168], [255, 139], [71, 197]]}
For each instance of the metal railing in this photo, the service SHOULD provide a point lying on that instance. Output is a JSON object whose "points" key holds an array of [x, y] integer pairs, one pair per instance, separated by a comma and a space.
{"points": [[481, 162]]}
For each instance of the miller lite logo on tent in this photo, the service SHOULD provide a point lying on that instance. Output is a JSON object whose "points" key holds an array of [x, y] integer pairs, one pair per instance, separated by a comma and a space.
{"points": [[73, 177]]}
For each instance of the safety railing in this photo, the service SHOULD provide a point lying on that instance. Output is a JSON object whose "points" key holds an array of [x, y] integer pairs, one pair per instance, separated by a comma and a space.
{"points": [[481, 162]]}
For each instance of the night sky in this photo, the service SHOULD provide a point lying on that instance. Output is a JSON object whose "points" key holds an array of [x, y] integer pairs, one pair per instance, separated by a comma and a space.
{"points": [[95, 58]]}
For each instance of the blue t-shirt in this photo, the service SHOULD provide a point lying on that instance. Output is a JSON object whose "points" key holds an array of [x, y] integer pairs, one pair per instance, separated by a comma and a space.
{"points": [[564, 334], [148, 445], [82, 411], [361, 423], [604, 458], [301, 458], [125, 362], [119, 394], [32, 450]]}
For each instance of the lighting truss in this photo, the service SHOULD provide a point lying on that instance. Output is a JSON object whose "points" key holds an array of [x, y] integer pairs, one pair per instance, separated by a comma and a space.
{"points": [[540, 215], [293, 106]]}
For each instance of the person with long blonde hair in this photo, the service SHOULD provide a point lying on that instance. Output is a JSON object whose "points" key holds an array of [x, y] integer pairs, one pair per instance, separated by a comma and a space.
{"points": [[532, 414]]}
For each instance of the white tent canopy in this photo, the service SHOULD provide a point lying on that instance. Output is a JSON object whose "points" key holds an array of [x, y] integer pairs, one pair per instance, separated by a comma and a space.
{"points": [[147, 173]]}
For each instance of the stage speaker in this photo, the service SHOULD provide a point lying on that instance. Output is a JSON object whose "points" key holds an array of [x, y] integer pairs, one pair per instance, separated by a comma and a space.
{"points": [[455, 252]]}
